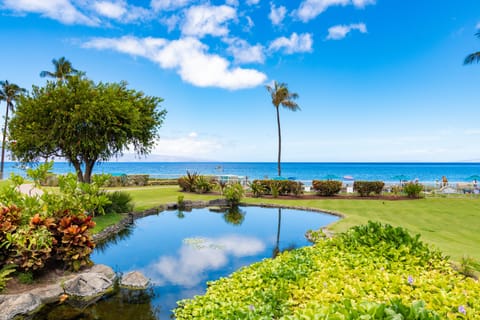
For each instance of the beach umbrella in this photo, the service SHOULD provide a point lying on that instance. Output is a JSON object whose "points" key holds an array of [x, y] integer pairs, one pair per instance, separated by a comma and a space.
{"points": [[347, 178], [401, 178], [474, 177], [331, 177]]}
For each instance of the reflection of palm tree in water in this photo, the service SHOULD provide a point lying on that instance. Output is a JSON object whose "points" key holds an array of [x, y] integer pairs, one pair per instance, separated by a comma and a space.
{"points": [[276, 250]]}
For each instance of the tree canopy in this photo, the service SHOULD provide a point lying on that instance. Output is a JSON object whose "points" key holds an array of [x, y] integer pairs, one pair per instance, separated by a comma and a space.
{"points": [[84, 122], [63, 70]]}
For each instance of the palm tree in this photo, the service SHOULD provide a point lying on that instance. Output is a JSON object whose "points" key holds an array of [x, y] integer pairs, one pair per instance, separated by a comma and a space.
{"points": [[63, 69], [473, 57], [282, 96], [8, 92]]}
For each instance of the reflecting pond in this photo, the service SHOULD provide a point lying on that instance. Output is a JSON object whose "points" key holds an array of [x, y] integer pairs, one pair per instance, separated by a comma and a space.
{"points": [[180, 251]]}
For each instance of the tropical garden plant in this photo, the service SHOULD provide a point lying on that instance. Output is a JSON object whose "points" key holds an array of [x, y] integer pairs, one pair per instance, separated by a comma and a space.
{"points": [[326, 187], [9, 92], [280, 95]]}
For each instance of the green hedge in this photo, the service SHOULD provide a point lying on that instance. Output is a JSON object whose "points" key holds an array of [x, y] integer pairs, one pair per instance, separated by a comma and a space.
{"points": [[365, 188], [278, 187], [326, 187], [369, 272]]}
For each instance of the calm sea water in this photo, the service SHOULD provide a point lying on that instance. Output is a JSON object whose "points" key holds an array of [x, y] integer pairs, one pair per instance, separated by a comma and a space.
{"points": [[425, 172]]}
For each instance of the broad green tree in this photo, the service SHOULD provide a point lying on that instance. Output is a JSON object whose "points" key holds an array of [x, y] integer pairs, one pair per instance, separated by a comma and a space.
{"points": [[10, 93], [84, 123], [63, 70], [282, 96], [473, 57]]}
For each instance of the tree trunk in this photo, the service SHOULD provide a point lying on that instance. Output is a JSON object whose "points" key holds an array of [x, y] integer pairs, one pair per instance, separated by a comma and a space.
{"points": [[4, 141], [78, 169], [279, 142], [87, 177]]}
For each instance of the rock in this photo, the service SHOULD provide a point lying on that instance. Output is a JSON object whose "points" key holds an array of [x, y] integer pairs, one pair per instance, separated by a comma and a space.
{"points": [[134, 280], [103, 269], [18, 304], [218, 202], [48, 294], [88, 285]]}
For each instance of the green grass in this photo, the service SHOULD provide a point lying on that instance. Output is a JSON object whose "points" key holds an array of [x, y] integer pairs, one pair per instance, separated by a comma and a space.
{"points": [[101, 222], [450, 224]]}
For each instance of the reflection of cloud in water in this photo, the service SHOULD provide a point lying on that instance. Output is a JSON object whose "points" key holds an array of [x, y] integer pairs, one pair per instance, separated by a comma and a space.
{"points": [[198, 255]]}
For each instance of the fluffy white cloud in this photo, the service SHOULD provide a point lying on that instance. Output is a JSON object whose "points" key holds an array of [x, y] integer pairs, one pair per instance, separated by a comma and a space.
{"points": [[232, 3], [189, 57], [206, 19], [252, 2], [171, 22], [309, 9], [114, 10], [198, 255], [158, 5], [277, 14], [61, 10], [340, 31], [296, 43], [187, 146], [243, 52]]}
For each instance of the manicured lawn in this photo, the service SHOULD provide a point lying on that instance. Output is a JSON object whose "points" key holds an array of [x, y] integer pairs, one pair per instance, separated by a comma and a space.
{"points": [[451, 224]]}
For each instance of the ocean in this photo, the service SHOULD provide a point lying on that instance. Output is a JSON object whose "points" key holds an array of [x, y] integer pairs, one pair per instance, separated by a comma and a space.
{"points": [[427, 173]]}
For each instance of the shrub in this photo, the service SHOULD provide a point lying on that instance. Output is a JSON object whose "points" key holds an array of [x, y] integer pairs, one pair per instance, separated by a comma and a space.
{"points": [[365, 188], [120, 202], [5, 273], [233, 194], [257, 188], [187, 182], [276, 187], [326, 187], [234, 216], [25, 277], [203, 184], [413, 190]]}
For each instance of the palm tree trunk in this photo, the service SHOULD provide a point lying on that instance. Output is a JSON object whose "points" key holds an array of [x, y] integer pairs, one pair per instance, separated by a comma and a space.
{"points": [[279, 142], [3, 142]]}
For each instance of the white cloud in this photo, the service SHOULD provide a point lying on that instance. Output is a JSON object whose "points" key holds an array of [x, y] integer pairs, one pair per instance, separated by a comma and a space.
{"points": [[232, 3], [171, 22], [60, 10], [309, 9], [189, 57], [188, 146], [296, 43], [339, 32], [277, 14], [252, 2], [206, 19], [247, 27], [243, 52], [198, 255], [158, 5], [114, 10]]}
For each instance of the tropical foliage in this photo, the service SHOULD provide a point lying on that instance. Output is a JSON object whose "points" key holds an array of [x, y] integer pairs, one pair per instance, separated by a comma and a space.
{"points": [[63, 70], [84, 122], [10, 93], [233, 193], [412, 189], [326, 187], [473, 57], [370, 272], [281, 96], [365, 188], [276, 187]]}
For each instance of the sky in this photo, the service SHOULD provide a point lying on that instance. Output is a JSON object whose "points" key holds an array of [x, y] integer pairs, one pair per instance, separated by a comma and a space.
{"points": [[378, 80]]}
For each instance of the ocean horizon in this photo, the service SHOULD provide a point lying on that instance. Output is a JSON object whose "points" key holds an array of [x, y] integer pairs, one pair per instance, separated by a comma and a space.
{"points": [[425, 172]]}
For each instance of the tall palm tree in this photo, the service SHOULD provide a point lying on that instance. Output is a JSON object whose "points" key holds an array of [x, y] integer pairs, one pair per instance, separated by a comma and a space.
{"points": [[282, 96], [8, 92], [63, 69], [473, 57]]}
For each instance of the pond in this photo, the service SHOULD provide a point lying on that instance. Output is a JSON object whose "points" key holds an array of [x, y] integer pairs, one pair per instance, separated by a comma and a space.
{"points": [[180, 251]]}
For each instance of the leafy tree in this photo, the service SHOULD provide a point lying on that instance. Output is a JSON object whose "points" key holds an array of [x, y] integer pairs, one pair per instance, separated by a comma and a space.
{"points": [[282, 96], [473, 57], [63, 70], [84, 123], [10, 93]]}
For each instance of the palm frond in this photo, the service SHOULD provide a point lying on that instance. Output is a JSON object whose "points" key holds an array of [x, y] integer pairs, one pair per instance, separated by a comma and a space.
{"points": [[471, 58]]}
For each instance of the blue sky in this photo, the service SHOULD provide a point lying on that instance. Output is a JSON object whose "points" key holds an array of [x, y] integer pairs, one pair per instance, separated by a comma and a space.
{"points": [[378, 80]]}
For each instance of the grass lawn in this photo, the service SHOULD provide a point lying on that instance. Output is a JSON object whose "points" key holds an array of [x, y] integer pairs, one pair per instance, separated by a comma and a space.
{"points": [[450, 224]]}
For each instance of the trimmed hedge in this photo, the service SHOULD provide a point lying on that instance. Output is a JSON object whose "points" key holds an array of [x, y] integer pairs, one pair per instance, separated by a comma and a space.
{"points": [[365, 188], [326, 187], [413, 190], [278, 187]]}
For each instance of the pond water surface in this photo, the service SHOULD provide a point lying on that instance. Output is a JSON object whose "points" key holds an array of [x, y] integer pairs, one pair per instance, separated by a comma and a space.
{"points": [[181, 251]]}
